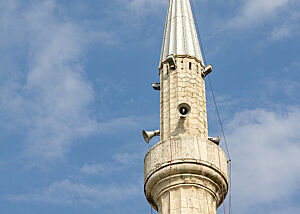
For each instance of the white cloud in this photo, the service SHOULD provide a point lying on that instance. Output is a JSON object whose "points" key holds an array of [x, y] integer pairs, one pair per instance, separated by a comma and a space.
{"points": [[48, 99], [256, 12], [281, 32], [141, 6], [47, 96], [286, 87], [93, 169], [119, 162], [286, 210], [292, 67], [290, 27], [116, 125], [69, 193], [265, 150]]}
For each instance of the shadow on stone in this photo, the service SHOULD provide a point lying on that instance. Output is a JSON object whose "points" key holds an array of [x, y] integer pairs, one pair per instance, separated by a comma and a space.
{"points": [[179, 128]]}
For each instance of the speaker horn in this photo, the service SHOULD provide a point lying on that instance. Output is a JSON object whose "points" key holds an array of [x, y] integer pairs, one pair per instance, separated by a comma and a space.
{"points": [[207, 70], [216, 140], [148, 135], [156, 86], [171, 60], [184, 109]]}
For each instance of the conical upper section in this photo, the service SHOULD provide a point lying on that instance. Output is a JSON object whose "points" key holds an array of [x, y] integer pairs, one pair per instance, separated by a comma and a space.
{"points": [[180, 36]]}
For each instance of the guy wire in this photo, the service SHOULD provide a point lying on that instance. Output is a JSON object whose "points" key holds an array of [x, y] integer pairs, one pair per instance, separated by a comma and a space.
{"points": [[215, 103]]}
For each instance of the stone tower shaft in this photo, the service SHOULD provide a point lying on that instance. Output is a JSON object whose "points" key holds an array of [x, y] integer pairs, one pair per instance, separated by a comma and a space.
{"points": [[182, 84], [185, 173], [180, 87]]}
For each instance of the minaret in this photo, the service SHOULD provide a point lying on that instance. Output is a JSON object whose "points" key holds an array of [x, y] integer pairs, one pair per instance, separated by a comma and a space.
{"points": [[185, 173]]}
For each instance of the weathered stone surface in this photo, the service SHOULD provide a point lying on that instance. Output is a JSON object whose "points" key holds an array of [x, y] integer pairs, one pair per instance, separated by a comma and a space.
{"points": [[195, 178], [189, 88]]}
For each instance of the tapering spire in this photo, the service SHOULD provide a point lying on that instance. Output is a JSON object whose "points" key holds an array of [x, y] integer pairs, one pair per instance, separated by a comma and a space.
{"points": [[180, 36]]}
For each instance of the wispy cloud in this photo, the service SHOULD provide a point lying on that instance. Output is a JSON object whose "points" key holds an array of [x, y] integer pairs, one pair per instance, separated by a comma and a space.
{"points": [[69, 193], [47, 95], [142, 6], [114, 125], [256, 12], [287, 209], [266, 165], [99, 168], [289, 27], [119, 162], [292, 67]]}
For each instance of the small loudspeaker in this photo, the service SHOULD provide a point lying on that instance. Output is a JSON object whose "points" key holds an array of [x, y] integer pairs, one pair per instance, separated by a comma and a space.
{"points": [[171, 60], [184, 109], [207, 70], [156, 86], [148, 135], [216, 140]]}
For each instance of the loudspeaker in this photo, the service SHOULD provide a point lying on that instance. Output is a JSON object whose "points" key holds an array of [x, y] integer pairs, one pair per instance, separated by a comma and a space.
{"points": [[207, 70], [156, 86], [148, 135], [171, 60], [216, 140], [184, 109]]}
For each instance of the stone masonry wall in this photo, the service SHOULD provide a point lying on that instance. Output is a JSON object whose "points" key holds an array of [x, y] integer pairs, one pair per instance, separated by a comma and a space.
{"points": [[185, 84]]}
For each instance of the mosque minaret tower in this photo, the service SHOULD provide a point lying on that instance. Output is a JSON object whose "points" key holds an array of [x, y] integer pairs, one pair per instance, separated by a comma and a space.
{"points": [[186, 172]]}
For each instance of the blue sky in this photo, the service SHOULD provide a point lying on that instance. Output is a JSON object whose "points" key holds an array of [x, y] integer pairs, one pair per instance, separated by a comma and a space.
{"points": [[75, 93]]}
